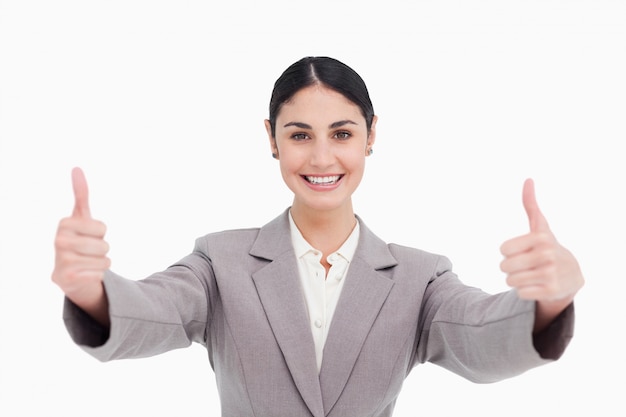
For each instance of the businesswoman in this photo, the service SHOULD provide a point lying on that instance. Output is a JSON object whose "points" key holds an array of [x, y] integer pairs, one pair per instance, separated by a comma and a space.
{"points": [[312, 314]]}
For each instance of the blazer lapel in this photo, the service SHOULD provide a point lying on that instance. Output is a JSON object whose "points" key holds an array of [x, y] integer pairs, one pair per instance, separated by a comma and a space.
{"points": [[279, 290], [362, 297]]}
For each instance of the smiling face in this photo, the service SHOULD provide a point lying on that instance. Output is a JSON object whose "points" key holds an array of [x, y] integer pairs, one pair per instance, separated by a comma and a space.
{"points": [[321, 140]]}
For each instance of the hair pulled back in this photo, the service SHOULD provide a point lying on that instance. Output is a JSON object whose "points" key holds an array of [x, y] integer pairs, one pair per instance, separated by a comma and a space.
{"points": [[325, 71]]}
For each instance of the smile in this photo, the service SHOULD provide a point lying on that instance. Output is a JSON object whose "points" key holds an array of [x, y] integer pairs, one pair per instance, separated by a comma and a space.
{"points": [[327, 180]]}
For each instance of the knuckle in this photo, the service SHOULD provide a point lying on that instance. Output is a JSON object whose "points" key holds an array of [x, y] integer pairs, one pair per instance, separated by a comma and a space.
{"points": [[546, 256], [100, 228], [65, 258], [503, 266], [65, 222], [61, 242]]}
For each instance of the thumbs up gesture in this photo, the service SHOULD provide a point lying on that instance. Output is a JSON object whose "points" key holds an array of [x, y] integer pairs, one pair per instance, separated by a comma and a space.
{"points": [[81, 250], [538, 267]]}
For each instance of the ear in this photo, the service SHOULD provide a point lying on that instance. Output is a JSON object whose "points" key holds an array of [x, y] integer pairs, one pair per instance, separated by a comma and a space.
{"points": [[273, 145], [371, 138]]}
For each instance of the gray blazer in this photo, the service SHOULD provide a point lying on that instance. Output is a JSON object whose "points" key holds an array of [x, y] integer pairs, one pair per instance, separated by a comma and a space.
{"points": [[238, 294]]}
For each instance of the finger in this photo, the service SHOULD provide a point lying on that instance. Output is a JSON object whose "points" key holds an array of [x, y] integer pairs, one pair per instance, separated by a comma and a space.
{"points": [[520, 262], [77, 279], [536, 219], [81, 194], [539, 291], [518, 279], [81, 226], [532, 292], [526, 243], [528, 284], [70, 263], [516, 245], [82, 245]]}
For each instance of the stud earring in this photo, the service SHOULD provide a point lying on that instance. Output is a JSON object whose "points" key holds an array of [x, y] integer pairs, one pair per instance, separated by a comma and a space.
{"points": [[370, 151], [274, 155]]}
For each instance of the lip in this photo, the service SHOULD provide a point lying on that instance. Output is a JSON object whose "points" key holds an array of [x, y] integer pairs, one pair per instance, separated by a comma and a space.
{"points": [[324, 182]]}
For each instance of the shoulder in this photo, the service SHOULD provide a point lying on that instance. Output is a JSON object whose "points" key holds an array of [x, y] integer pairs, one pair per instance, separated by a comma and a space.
{"points": [[410, 257], [228, 239], [264, 242], [404, 251], [383, 255]]}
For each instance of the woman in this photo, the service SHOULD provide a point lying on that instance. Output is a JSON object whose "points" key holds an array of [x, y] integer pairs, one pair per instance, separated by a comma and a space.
{"points": [[312, 314]]}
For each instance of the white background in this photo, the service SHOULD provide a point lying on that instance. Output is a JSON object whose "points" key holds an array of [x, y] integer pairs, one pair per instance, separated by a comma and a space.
{"points": [[162, 104]]}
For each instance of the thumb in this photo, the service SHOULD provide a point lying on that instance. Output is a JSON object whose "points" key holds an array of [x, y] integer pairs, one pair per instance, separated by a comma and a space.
{"points": [[536, 219], [81, 194]]}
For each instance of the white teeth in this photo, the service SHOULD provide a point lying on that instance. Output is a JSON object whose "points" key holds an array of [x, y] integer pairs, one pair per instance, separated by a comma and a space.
{"points": [[323, 180]]}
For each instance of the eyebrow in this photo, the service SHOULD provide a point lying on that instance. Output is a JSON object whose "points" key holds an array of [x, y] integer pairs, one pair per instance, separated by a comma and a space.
{"points": [[333, 125]]}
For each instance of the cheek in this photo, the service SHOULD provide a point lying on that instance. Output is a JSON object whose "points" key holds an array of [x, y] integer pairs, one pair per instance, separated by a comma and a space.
{"points": [[290, 158], [288, 167], [355, 161]]}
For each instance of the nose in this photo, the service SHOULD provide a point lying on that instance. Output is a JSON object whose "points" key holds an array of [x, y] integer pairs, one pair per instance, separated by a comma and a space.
{"points": [[322, 154]]}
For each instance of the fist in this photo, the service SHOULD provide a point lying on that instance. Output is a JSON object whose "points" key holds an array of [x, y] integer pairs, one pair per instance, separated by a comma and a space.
{"points": [[80, 249], [537, 266]]}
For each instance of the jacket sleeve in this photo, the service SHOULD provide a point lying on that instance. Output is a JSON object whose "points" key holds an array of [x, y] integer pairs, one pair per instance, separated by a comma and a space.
{"points": [[168, 310], [484, 337]]}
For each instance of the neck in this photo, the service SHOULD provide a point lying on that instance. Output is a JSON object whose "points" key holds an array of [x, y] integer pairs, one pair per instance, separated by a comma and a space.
{"points": [[325, 230]]}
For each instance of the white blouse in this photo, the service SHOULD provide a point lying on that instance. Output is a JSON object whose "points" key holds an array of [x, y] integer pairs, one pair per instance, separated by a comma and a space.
{"points": [[321, 292]]}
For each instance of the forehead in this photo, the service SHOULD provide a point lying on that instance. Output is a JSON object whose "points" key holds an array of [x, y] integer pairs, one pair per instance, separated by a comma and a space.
{"points": [[319, 103]]}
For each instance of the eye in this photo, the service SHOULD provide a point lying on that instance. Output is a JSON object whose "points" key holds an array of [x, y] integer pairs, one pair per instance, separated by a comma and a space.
{"points": [[342, 135], [299, 136]]}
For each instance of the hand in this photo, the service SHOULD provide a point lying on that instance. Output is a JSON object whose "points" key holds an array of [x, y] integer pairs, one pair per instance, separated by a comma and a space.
{"points": [[537, 266], [81, 250]]}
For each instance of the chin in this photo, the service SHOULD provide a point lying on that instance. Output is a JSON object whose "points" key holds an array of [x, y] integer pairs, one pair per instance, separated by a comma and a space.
{"points": [[325, 204]]}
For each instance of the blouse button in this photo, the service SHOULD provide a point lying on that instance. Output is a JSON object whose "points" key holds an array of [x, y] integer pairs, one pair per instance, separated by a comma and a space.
{"points": [[318, 323]]}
